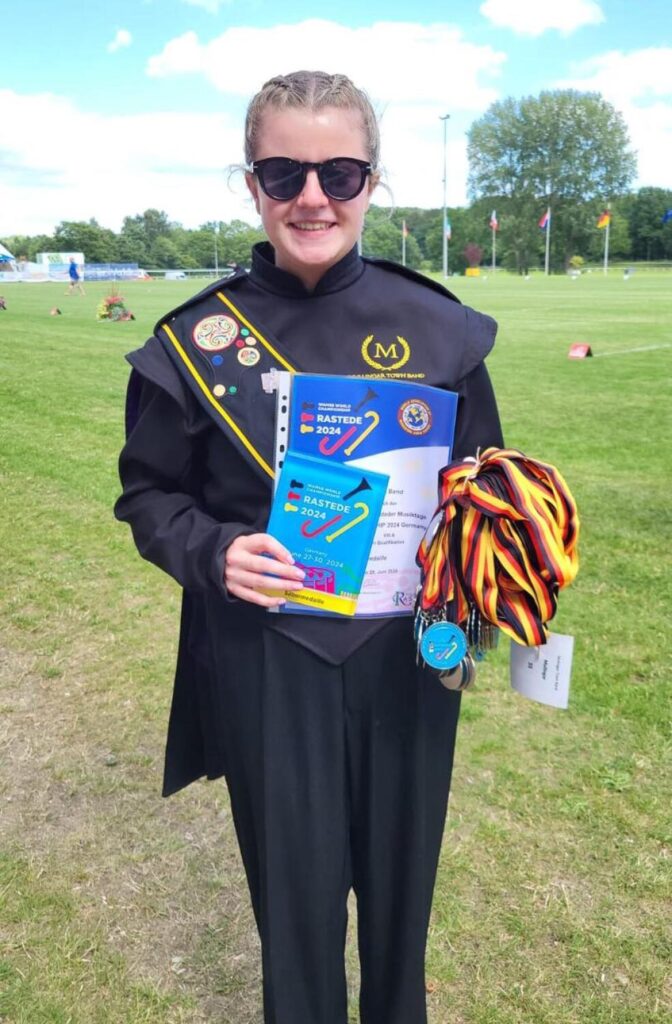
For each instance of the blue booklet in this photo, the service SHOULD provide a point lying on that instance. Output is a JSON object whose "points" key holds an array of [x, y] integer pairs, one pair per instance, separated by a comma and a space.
{"points": [[399, 428], [326, 514]]}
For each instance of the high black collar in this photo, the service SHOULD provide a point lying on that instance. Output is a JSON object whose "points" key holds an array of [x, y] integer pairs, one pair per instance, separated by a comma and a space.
{"points": [[272, 279]]}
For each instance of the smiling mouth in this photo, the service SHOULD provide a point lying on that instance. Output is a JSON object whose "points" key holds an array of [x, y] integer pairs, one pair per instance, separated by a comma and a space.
{"points": [[312, 225]]}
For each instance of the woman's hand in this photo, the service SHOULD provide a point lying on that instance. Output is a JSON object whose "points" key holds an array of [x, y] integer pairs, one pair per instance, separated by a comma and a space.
{"points": [[248, 569]]}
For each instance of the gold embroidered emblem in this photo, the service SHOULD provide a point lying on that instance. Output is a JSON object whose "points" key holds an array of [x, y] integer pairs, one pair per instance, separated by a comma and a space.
{"points": [[214, 333], [396, 353]]}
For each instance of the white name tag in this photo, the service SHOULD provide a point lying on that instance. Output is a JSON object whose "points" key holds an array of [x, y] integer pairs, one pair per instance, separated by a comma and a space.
{"points": [[543, 673]]}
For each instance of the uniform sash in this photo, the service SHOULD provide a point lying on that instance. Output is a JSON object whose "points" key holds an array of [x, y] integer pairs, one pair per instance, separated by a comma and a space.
{"points": [[227, 363]]}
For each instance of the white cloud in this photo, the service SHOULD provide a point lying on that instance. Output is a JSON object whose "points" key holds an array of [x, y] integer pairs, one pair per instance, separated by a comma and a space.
{"points": [[412, 157], [534, 17], [179, 56], [625, 77], [400, 62], [121, 39], [637, 84], [43, 181], [651, 134]]}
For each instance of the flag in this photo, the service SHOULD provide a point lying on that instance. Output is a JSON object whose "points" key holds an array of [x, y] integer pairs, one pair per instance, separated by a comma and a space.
{"points": [[604, 219], [494, 223], [666, 216], [448, 231], [404, 230], [545, 219]]}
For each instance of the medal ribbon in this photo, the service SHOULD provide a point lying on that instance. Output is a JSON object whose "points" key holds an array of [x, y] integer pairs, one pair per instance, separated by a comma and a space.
{"points": [[506, 543]]}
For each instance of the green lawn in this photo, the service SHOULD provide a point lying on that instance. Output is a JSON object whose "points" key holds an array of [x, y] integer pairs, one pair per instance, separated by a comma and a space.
{"points": [[553, 896]]}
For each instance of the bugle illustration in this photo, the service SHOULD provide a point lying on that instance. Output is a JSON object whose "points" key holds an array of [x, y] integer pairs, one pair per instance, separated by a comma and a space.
{"points": [[375, 420], [363, 485], [328, 446], [309, 529], [353, 522], [368, 397]]}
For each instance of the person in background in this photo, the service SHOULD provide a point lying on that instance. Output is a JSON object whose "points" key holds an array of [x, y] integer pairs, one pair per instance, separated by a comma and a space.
{"points": [[75, 276], [336, 746]]}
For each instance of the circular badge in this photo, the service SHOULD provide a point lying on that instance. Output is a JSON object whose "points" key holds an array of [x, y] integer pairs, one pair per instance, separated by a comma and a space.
{"points": [[215, 333], [219, 390], [248, 356], [415, 417], [461, 677], [443, 645]]}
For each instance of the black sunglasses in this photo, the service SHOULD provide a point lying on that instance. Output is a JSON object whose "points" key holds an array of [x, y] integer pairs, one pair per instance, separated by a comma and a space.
{"points": [[340, 178]]}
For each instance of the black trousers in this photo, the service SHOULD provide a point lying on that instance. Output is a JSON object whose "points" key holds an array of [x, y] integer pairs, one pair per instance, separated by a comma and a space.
{"points": [[339, 779]]}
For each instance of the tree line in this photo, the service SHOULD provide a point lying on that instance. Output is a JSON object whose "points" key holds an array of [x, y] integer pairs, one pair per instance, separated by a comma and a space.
{"points": [[149, 239], [563, 150], [637, 232], [569, 152]]}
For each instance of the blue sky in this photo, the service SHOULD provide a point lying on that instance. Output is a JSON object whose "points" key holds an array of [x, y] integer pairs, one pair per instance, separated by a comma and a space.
{"points": [[107, 109]]}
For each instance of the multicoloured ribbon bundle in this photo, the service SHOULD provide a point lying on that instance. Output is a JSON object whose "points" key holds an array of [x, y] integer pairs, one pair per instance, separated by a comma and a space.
{"points": [[506, 543]]}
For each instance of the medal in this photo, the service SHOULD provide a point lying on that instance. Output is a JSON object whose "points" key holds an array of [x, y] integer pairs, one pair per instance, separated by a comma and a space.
{"points": [[443, 645], [530, 499], [482, 636], [460, 678]]}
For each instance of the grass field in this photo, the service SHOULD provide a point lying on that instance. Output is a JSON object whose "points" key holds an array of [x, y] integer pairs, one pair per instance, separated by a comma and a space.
{"points": [[553, 898]]}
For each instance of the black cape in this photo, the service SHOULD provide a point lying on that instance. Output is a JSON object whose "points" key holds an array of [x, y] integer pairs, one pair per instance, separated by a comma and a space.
{"points": [[190, 485]]}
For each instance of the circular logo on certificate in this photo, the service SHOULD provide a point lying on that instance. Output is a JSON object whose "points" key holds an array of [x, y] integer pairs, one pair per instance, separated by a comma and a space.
{"points": [[215, 333], [248, 356], [415, 417]]}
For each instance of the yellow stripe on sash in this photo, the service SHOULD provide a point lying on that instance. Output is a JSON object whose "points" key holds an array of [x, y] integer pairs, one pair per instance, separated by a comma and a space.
{"points": [[267, 345], [221, 412]]}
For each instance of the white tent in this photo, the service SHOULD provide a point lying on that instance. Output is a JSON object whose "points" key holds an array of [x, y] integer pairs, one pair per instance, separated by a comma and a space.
{"points": [[5, 255]]}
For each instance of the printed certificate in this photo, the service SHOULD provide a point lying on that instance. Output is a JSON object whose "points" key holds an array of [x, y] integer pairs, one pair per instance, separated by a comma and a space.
{"points": [[398, 428]]}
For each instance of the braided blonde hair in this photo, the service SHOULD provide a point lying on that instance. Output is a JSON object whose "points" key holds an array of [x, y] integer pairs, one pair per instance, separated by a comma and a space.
{"points": [[311, 90]]}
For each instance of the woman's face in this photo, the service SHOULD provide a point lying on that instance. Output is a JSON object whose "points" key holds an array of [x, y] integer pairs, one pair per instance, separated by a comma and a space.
{"points": [[311, 232]]}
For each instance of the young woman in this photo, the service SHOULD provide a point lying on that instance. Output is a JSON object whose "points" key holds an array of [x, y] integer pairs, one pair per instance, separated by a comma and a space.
{"points": [[337, 748]]}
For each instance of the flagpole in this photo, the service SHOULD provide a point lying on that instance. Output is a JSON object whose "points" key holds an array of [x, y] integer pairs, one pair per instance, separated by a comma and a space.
{"points": [[403, 243], [494, 248], [445, 118], [446, 241], [548, 240], [606, 247]]}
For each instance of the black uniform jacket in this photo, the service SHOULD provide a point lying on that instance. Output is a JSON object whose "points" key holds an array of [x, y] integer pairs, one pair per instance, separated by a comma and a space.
{"points": [[195, 469]]}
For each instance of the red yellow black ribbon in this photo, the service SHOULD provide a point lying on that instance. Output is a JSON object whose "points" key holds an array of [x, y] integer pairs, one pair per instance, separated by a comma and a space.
{"points": [[506, 543]]}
